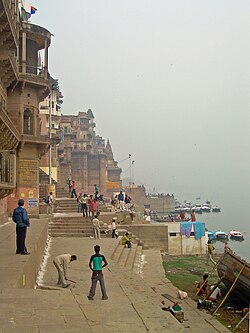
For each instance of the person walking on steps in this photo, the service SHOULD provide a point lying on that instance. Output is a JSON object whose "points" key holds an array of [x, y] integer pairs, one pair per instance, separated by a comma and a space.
{"points": [[21, 218], [96, 263], [62, 263]]}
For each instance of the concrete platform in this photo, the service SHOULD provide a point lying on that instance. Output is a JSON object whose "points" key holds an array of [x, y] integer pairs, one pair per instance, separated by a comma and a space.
{"points": [[134, 303]]}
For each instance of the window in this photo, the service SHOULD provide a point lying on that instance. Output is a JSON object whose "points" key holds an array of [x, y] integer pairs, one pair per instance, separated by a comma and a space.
{"points": [[28, 118], [172, 234]]}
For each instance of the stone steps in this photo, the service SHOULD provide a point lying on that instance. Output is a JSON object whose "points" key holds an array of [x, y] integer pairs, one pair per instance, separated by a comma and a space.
{"points": [[130, 259]]}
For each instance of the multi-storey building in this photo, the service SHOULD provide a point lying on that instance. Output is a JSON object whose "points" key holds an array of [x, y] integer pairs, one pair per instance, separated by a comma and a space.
{"points": [[9, 135], [23, 85], [84, 157], [50, 114]]}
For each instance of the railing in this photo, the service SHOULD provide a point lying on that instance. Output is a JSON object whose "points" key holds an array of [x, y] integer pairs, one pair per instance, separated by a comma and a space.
{"points": [[11, 9], [7, 169], [6, 120]]}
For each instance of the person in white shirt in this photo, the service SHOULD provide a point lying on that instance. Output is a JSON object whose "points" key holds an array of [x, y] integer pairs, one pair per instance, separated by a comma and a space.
{"points": [[61, 263], [50, 206], [216, 294], [96, 226], [113, 227]]}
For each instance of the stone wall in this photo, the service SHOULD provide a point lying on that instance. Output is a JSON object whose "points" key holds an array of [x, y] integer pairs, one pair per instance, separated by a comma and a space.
{"points": [[3, 211], [154, 236], [36, 240], [182, 245]]}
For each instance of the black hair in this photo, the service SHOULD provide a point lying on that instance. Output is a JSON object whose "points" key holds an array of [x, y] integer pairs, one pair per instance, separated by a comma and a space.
{"points": [[97, 248], [205, 276], [20, 202]]}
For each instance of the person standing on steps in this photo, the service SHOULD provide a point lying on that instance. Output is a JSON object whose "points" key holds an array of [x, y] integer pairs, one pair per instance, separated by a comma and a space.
{"points": [[61, 263], [113, 226], [96, 192], [96, 227], [73, 189], [96, 263], [21, 218], [84, 201], [50, 205]]}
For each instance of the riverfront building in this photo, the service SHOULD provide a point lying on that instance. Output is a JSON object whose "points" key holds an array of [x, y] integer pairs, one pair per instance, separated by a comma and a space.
{"points": [[84, 157], [23, 85]]}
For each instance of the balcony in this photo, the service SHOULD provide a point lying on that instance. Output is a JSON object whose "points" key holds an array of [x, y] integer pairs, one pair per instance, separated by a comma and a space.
{"points": [[33, 75], [38, 34], [7, 172], [9, 135], [8, 22]]}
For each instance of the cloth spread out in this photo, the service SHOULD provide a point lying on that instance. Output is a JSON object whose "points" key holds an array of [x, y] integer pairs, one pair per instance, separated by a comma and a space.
{"points": [[186, 229], [199, 230]]}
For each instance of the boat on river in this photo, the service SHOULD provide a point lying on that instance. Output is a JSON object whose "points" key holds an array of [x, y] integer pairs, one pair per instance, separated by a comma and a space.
{"points": [[234, 234], [221, 235], [216, 209], [228, 268]]}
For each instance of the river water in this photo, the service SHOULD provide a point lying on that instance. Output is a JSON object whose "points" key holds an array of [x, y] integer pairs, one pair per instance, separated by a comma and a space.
{"points": [[233, 215]]}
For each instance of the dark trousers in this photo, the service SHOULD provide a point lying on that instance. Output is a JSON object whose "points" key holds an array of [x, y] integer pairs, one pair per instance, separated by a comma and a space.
{"points": [[97, 276], [73, 193], [114, 235], [84, 210], [20, 240], [128, 244]]}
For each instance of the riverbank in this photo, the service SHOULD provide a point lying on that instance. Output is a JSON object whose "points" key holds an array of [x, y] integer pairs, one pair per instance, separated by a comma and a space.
{"points": [[186, 271]]}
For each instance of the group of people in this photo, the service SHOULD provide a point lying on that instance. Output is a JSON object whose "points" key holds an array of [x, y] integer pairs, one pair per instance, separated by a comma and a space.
{"points": [[121, 202], [203, 290], [96, 264], [87, 205], [192, 216]]}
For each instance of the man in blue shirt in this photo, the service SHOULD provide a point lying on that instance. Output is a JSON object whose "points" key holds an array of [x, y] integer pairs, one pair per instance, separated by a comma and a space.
{"points": [[20, 217], [96, 263]]}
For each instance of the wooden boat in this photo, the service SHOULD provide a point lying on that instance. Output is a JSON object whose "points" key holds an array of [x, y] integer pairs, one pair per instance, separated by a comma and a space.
{"points": [[229, 266], [221, 234], [234, 234]]}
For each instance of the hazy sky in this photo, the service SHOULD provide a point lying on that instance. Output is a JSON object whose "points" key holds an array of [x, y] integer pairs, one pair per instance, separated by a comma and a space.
{"points": [[168, 82]]}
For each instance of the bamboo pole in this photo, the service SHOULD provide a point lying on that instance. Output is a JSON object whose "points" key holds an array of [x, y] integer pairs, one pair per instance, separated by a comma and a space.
{"points": [[241, 321], [197, 292], [230, 290]]}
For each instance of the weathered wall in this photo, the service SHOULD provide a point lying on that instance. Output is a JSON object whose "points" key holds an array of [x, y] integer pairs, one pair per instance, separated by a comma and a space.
{"points": [[182, 245], [154, 236], [3, 211], [161, 204], [27, 180]]}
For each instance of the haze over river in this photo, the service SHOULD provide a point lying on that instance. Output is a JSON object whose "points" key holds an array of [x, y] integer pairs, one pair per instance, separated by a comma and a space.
{"points": [[234, 215]]}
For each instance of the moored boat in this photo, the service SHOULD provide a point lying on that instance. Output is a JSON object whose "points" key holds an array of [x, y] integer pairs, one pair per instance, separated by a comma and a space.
{"points": [[221, 234], [234, 234], [211, 235], [206, 209], [216, 209], [229, 267]]}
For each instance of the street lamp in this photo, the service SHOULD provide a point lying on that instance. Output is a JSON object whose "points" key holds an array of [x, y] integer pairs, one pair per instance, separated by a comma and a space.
{"points": [[50, 137], [133, 172], [129, 157]]}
